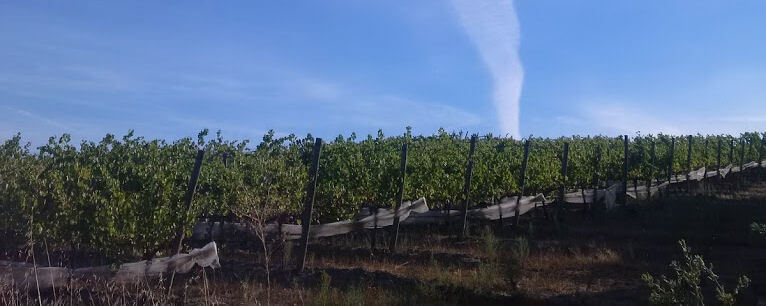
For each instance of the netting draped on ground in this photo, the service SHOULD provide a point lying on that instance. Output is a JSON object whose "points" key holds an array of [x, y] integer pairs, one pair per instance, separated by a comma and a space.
{"points": [[26, 276]]}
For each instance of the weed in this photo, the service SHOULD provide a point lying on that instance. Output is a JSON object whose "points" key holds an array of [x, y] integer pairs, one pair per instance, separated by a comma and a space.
{"points": [[758, 228], [684, 286], [490, 244], [520, 249], [325, 292]]}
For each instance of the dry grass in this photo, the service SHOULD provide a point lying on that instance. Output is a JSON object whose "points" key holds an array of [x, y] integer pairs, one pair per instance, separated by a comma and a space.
{"points": [[484, 269], [557, 272]]}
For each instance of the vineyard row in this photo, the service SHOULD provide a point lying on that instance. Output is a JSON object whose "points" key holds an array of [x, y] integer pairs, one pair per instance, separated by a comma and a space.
{"points": [[128, 196]]}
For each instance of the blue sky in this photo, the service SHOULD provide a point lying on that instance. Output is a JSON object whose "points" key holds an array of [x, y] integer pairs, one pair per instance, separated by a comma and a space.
{"points": [[547, 68]]}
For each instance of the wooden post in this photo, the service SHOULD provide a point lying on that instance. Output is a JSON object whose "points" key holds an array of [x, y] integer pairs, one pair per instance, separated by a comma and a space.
{"points": [[609, 168], [308, 206], [718, 158], [467, 186], [670, 165], [562, 187], [741, 153], [596, 168], [731, 151], [651, 171], [374, 234], [688, 163], [688, 156], [625, 171], [188, 198], [496, 201], [523, 180], [635, 187], [760, 152], [751, 146], [705, 159], [399, 196], [654, 160]]}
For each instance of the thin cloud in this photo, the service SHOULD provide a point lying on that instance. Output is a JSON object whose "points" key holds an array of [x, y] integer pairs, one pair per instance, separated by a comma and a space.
{"points": [[610, 118], [494, 28], [615, 116], [396, 112], [38, 119], [319, 90]]}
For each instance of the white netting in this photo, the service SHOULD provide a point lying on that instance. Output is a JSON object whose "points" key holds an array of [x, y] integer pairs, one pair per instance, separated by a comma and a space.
{"points": [[22, 275], [417, 212]]}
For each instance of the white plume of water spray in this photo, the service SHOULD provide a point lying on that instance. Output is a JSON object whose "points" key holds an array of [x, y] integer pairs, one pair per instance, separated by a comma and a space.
{"points": [[493, 27]]}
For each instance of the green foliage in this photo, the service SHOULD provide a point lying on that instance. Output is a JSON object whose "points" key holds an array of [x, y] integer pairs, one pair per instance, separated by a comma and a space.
{"points": [[124, 196], [121, 196], [758, 228], [684, 286]]}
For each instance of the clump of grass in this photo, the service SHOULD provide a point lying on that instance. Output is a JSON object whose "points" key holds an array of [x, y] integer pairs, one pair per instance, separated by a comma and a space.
{"points": [[354, 296], [89, 292], [325, 293], [491, 244], [251, 291], [520, 249], [491, 272]]}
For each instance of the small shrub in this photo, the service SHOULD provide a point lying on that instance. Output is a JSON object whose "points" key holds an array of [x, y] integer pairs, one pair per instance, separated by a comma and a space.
{"points": [[684, 286], [758, 228]]}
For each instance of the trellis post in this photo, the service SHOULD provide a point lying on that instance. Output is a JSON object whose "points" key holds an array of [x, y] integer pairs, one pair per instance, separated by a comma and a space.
{"points": [[596, 168], [688, 163], [741, 153], [705, 158], [189, 197], [625, 171], [467, 186], [651, 170], [523, 180], [670, 163], [760, 152], [308, 206], [562, 187], [399, 196], [718, 157]]}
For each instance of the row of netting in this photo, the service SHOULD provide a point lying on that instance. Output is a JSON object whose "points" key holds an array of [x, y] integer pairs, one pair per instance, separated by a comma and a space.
{"points": [[124, 196], [418, 212]]}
